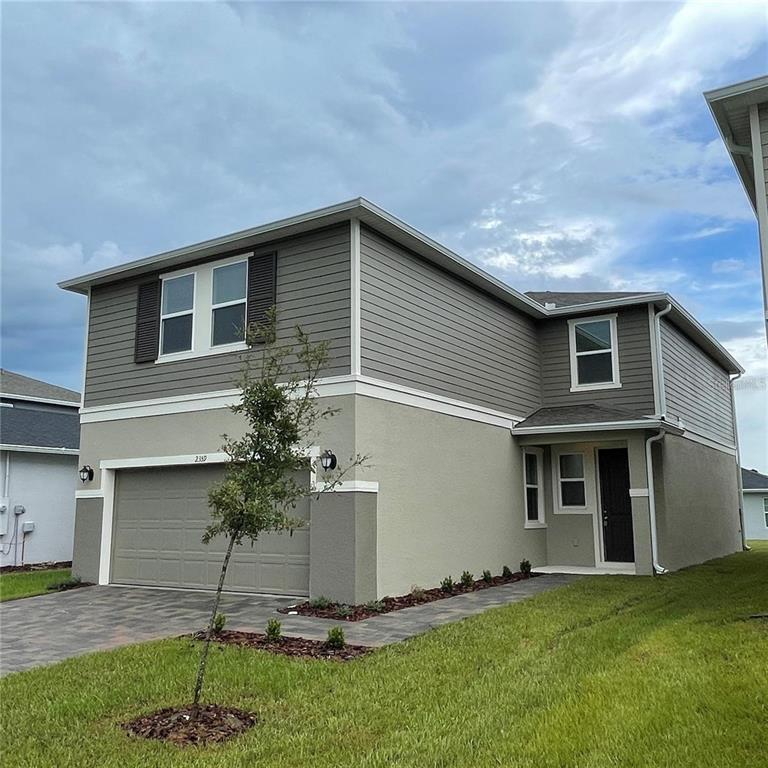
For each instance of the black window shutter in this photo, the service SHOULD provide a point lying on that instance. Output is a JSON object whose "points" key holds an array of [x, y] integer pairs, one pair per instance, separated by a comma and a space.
{"points": [[262, 281], [147, 322]]}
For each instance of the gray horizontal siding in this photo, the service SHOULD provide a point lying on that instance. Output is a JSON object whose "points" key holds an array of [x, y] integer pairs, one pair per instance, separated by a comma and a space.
{"points": [[313, 290], [424, 328], [635, 372], [763, 122], [697, 389]]}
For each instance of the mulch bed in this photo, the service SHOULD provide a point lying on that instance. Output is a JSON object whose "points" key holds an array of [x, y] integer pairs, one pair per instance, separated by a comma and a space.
{"points": [[36, 567], [186, 726], [342, 612], [288, 646]]}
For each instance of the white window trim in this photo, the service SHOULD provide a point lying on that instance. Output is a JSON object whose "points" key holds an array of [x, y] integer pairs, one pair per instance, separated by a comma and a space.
{"points": [[560, 480], [765, 510], [615, 383], [202, 311], [540, 522]]}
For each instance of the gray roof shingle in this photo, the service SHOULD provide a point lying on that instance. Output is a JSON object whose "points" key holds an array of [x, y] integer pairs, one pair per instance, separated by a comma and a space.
{"points": [[15, 384], [751, 479], [23, 423], [576, 414]]}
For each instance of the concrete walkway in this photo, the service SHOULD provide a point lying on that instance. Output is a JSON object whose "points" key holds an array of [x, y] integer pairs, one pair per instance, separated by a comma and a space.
{"points": [[42, 630]]}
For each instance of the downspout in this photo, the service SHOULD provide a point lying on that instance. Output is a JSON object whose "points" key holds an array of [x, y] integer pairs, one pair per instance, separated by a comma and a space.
{"points": [[662, 415], [744, 544], [657, 567]]}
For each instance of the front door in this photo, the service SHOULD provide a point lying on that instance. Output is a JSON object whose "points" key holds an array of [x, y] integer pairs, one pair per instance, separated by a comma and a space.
{"points": [[615, 505]]}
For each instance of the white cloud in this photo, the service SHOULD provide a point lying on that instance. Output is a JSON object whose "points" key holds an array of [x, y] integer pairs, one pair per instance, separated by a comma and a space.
{"points": [[705, 232], [633, 60], [728, 265]]}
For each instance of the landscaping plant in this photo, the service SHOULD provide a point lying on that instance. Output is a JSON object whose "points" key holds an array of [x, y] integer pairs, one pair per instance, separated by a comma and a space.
{"points": [[218, 623], [525, 568], [447, 584], [274, 631], [335, 638], [281, 412], [467, 579], [487, 578], [506, 573]]}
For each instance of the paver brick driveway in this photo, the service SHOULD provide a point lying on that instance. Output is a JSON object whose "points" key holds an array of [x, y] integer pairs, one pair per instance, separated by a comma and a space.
{"points": [[42, 630]]}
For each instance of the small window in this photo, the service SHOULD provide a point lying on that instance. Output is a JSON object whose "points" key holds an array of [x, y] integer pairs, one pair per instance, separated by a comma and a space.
{"points": [[228, 304], [594, 361], [572, 483], [177, 309], [765, 509], [534, 503]]}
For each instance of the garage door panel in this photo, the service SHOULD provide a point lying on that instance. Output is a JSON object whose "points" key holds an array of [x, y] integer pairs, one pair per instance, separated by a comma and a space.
{"points": [[160, 517]]}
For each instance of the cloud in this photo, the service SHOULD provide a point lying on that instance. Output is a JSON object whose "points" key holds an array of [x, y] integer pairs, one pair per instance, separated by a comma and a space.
{"points": [[700, 234], [728, 265]]}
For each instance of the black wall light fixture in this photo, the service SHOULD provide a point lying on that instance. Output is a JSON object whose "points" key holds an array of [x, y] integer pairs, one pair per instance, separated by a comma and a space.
{"points": [[86, 473], [328, 460]]}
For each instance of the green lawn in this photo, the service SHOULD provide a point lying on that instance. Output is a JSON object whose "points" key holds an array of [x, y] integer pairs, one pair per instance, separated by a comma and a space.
{"points": [[612, 671], [29, 583]]}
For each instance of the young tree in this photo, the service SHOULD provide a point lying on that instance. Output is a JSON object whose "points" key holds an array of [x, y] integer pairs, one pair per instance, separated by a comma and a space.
{"points": [[259, 491]]}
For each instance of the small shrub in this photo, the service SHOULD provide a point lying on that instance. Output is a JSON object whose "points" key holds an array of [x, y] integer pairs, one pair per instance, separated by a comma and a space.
{"points": [[335, 638], [417, 592], [63, 586], [274, 631], [447, 584], [467, 579], [320, 603], [218, 623], [377, 606], [343, 611], [506, 573], [525, 568], [487, 578]]}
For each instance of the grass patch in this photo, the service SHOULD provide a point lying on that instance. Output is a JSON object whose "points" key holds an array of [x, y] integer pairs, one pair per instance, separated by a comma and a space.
{"points": [[612, 671], [30, 583]]}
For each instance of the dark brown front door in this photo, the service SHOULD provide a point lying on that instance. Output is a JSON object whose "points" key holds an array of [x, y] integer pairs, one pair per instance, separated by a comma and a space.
{"points": [[615, 505]]}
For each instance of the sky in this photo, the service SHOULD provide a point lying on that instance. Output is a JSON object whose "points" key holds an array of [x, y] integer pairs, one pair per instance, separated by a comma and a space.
{"points": [[561, 146]]}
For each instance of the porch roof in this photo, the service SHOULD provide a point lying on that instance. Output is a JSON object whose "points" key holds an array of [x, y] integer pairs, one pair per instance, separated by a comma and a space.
{"points": [[587, 418]]}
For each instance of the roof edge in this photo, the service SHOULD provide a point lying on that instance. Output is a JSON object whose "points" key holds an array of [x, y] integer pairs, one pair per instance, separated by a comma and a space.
{"points": [[604, 426]]}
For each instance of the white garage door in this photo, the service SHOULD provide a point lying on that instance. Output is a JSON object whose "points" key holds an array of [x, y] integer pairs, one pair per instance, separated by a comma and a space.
{"points": [[160, 516]]}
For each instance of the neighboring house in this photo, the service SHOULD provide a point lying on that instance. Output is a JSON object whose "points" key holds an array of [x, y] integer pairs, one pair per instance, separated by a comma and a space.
{"points": [[755, 490], [741, 114], [39, 439], [501, 426]]}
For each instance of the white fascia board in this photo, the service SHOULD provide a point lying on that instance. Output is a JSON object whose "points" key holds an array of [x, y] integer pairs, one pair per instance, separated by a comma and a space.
{"points": [[39, 449], [764, 491]]}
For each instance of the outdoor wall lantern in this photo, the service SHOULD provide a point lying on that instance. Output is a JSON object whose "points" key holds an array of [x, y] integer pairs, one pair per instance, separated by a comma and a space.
{"points": [[86, 473], [328, 460]]}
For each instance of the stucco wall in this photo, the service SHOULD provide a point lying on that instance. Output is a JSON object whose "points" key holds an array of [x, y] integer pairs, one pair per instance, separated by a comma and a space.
{"points": [[450, 496], [697, 502], [44, 484], [754, 515]]}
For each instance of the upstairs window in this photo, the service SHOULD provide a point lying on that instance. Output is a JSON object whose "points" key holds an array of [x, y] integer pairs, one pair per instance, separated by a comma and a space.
{"points": [[228, 304], [765, 510], [176, 314], [594, 353]]}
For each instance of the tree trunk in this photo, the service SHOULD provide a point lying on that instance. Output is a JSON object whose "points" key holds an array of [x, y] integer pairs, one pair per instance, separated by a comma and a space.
{"points": [[209, 631]]}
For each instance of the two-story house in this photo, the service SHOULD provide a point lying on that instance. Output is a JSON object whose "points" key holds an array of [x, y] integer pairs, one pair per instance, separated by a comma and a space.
{"points": [[588, 432]]}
